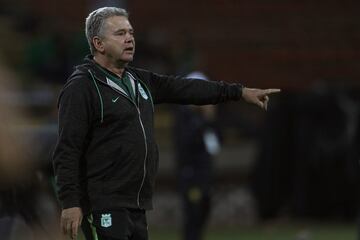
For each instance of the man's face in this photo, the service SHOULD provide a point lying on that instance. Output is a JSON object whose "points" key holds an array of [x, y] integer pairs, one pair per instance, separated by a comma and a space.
{"points": [[118, 39]]}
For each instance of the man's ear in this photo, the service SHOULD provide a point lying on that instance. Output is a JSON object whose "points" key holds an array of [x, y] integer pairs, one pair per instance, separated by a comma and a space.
{"points": [[98, 44]]}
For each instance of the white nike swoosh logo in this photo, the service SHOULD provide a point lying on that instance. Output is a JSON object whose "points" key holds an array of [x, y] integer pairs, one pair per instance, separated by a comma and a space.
{"points": [[114, 100]]}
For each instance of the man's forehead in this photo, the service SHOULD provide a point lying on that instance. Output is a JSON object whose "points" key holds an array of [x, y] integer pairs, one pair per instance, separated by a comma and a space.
{"points": [[118, 22]]}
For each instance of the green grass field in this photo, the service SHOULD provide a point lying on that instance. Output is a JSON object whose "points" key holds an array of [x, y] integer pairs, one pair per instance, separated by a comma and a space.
{"points": [[306, 231]]}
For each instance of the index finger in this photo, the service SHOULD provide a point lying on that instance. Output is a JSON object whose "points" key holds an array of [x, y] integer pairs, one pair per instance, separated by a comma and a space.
{"points": [[272, 90]]}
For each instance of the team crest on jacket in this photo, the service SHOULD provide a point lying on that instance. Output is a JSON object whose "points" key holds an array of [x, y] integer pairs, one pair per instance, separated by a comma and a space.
{"points": [[106, 220], [142, 92]]}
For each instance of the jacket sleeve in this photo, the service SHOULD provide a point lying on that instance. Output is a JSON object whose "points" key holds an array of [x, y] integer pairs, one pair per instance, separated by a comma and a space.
{"points": [[170, 89], [74, 122]]}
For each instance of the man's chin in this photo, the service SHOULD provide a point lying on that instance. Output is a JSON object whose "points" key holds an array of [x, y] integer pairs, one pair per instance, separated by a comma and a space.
{"points": [[124, 61], [127, 58]]}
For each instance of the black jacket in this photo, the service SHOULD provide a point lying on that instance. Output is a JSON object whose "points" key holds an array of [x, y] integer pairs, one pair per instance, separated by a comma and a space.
{"points": [[106, 155]]}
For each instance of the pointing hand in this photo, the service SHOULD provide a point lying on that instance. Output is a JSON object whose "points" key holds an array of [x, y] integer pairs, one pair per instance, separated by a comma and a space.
{"points": [[258, 96]]}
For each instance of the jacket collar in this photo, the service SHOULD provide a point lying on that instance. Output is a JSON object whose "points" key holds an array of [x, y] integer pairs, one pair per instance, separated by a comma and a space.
{"points": [[90, 64]]}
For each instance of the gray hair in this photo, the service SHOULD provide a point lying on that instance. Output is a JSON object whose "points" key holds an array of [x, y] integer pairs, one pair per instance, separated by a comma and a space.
{"points": [[94, 23]]}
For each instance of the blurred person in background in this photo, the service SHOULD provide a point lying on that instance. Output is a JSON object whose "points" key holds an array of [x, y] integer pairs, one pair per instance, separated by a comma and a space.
{"points": [[196, 142], [106, 156], [22, 193]]}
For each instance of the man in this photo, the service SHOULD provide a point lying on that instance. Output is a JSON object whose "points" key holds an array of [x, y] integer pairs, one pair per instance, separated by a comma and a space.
{"points": [[106, 157], [196, 143]]}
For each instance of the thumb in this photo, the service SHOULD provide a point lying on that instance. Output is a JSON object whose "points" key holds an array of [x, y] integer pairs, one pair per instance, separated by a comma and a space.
{"points": [[259, 103]]}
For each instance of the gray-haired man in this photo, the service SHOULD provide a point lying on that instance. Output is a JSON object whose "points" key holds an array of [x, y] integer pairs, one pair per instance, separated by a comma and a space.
{"points": [[106, 157]]}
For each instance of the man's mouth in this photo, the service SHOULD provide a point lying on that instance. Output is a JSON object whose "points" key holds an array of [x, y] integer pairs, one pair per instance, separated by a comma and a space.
{"points": [[129, 49]]}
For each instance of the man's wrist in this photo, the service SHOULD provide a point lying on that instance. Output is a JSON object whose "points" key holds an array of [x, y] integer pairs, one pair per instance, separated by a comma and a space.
{"points": [[242, 88], [70, 202]]}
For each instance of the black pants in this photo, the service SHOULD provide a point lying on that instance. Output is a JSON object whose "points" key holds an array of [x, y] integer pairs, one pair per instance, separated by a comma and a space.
{"points": [[196, 213], [119, 224]]}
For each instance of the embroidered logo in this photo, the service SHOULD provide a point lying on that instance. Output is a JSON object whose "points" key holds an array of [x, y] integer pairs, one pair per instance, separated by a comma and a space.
{"points": [[106, 220], [142, 92], [114, 100]]}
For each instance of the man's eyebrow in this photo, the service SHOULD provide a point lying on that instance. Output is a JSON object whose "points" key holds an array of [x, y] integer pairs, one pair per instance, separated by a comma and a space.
{"points": [[124, 30]]}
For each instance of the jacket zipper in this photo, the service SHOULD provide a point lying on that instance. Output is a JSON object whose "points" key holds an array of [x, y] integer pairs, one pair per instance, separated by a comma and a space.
{"points": [[145, 140], [146, 150]]}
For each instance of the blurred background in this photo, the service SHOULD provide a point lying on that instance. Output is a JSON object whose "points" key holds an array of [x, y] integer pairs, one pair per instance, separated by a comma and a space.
{"points": [[288, 173]]}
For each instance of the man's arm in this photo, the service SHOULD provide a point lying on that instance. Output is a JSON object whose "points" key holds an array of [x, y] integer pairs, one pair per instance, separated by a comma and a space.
{"points": [[170, 89], [74, 121], [174, 89]]}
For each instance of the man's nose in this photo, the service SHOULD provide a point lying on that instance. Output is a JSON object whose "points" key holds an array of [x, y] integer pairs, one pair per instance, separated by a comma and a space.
{"points": [[129, 37]]}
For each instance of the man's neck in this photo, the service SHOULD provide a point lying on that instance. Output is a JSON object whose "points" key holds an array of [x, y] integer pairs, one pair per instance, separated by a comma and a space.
{"points": [[117, 69]]}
